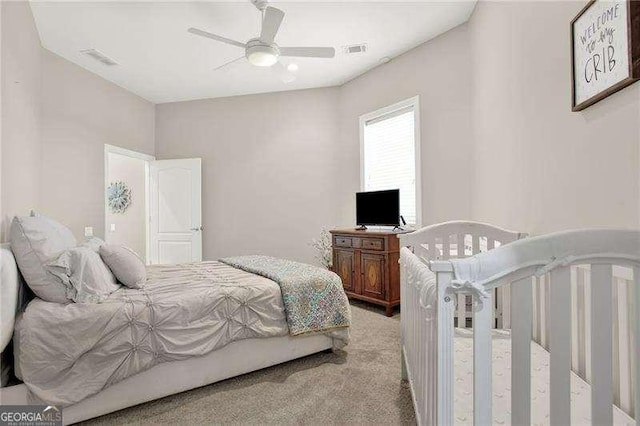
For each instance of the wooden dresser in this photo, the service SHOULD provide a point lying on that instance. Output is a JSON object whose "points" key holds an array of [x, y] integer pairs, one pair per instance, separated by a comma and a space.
{"points": [[367, 263]]}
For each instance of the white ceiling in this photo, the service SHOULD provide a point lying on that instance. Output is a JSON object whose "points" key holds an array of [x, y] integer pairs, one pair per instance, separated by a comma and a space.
{"points": [[159, 61]]}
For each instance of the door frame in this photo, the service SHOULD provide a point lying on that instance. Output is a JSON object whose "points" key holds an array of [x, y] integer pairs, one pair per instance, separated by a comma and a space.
{"points": [[112, 149]]}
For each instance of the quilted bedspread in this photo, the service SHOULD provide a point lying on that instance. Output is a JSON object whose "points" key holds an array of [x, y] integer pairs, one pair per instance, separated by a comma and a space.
{"points": [[65, 353], [314, 299]]}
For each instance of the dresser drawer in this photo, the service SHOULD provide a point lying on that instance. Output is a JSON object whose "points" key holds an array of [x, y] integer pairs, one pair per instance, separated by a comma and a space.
{"points": [[373, 243], [342, 241]]}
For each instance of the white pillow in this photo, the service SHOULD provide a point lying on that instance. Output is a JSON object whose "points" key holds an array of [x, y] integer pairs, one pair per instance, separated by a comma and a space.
{"points": [[84, 275], [35, 241], [125, 264]]}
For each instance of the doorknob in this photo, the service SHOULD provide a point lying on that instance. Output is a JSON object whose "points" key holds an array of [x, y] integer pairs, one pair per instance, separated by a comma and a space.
{"points": [[198, 228]]}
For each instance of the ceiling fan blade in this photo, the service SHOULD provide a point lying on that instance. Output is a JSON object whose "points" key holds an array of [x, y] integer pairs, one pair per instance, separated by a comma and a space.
{"points": [[283, 73], [228, 63], [270, 24], [216, 37], [308, 52]]}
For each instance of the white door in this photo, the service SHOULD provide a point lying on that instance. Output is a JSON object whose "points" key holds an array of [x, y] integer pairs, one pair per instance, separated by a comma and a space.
{"points": [[175, 228]]}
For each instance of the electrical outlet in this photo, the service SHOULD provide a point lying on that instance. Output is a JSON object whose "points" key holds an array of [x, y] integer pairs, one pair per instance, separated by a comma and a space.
{"points": [[112, 227], [88, 231]]}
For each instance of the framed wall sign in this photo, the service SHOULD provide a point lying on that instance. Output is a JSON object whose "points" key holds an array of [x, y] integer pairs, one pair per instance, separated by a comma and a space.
{"points": [[605, 50]]}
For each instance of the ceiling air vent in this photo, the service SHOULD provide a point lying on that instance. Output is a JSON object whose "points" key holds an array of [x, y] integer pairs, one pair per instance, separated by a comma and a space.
{"points": [[99, 56], [355, 48]]}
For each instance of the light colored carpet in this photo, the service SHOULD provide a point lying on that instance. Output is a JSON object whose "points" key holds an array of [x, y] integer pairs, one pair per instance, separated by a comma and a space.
{"points": [[358, 385]]}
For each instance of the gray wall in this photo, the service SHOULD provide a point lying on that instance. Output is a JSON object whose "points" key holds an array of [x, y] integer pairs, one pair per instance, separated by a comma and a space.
{"points": [[439, 72], [80, 113], [538, 166], [278, 168], [56, 119], [499, 141], [21, 112], [274, 169]]}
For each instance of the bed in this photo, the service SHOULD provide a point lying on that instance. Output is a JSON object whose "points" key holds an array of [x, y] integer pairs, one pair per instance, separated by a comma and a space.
{"points": [[488, 376], [193, 325]]}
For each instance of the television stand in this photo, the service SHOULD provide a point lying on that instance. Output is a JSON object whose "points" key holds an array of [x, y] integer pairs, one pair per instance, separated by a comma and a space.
{"points": [[398, 227], [367, 263], [361, 228]]}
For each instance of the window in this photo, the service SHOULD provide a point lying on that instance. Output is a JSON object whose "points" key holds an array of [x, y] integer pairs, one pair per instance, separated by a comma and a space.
{"points": [[390, 154]]}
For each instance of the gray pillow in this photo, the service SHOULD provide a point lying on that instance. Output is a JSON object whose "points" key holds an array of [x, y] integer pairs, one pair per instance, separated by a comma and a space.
{"points": [[125, 264], [84, 275], [94, 243], [35, 241]]}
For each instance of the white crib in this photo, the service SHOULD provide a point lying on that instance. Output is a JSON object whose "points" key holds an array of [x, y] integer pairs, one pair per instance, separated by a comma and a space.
{"points": [[430, 287], [461, 239]]}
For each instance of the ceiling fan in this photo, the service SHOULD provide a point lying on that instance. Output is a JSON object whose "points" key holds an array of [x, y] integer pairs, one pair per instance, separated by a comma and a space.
{"points": [[262, 51]]}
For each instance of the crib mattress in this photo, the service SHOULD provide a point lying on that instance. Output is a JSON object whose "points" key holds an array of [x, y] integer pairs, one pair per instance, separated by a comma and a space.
{"points": [[463, 398]]}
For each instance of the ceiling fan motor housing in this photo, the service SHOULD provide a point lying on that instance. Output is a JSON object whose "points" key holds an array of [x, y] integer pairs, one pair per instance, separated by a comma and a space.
{"points": [[262, 54]]}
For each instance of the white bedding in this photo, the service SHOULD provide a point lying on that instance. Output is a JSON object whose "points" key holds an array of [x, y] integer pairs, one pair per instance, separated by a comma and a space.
{"points": [[65, 353], [463, 396]]}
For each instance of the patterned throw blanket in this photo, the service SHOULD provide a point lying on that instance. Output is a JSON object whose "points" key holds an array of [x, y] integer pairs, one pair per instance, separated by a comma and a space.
{"points": [[314, 299]]}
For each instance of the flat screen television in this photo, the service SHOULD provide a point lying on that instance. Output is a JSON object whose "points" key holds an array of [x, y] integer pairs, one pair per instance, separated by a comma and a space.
{"points": [[380, 208]]}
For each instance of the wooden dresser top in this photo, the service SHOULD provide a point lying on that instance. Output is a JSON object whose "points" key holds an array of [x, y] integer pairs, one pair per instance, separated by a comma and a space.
{"points": [[368, 232]]}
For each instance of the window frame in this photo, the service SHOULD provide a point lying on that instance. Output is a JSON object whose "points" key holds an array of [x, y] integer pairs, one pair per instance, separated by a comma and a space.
{"points": [[411, 102]]}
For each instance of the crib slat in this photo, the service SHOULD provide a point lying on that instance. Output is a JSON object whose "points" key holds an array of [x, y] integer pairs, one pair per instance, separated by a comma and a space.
{"points": [[499, 306], [623, 374], [544, 311], [535, 333], [636, 326], [462, 310], [446, 247], [422, 251], [521, 317], [505, 294], [445, 335], [560, 346], [482, 357], [433, 250], [460, 244], [582, 321], [587, 315], [601, 362], [575, 321]]}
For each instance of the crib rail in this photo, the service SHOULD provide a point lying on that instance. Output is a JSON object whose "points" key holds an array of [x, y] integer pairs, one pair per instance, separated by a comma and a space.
{"points": [[419, 354], [518, 266], [623, 308], [458, 240]]}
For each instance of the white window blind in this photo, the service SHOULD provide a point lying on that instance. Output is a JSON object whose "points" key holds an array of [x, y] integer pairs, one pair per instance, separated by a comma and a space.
{"points": [[390, 159]]}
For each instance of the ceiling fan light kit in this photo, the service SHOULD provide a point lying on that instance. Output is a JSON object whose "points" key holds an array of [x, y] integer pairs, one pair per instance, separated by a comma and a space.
{"points": [[260, 54], [262, 51]]}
